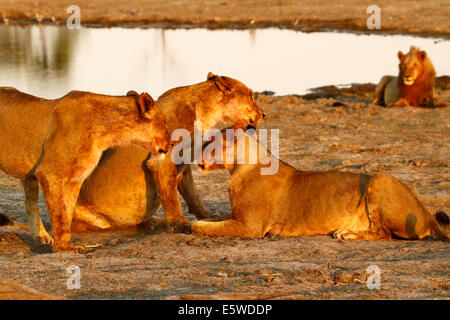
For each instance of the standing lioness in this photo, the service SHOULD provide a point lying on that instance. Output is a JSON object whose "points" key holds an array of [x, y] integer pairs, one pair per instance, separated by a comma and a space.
{"points": [[299, 203], [122, 192], [59, 142]]}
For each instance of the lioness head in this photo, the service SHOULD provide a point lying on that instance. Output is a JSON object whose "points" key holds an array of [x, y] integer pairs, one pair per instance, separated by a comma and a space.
{"points": [[411, 65], [151, 131], [211, 159], [229, 103], [441, 226], [230, 148]]}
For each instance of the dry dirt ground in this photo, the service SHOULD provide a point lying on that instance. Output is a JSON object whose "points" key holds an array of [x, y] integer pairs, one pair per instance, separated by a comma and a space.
{"points": [[329, 129], [401, 16]]}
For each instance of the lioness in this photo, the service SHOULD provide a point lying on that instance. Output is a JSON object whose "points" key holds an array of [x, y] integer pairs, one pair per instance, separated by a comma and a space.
{"points": [[299, 203], [414, 85], [123, 192], [59, 142]]}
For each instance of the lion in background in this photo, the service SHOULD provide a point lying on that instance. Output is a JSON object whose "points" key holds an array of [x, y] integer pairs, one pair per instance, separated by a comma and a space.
{"points": [[414, 85], [301, 203], [59, 142]]}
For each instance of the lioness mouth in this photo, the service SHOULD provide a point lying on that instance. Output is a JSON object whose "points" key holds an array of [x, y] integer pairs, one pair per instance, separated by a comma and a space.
{"points": [[250, 127], [408, 82], [161, 156]]}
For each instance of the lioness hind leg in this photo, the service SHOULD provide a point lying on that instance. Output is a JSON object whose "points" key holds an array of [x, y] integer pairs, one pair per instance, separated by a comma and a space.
{"points": [[361, 235], [230, 227], [395, 209], [371, 226], [85, 219], [31, 188]]}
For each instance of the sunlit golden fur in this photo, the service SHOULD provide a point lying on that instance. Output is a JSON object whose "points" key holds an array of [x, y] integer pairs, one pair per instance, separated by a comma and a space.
{"points": [[414, 85], [125, 190], [58, 143], [299, 203]]}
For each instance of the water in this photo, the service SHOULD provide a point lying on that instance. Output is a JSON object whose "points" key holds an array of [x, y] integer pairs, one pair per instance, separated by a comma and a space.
{"points": [[49, 61]]}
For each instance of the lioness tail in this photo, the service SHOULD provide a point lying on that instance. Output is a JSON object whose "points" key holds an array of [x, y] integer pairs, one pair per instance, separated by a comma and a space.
{"points": [[5, 221]]}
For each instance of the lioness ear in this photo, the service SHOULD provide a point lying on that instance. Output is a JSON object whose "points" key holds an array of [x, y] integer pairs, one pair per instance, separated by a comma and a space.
{"points": [[145, 103], [400, 55], [223, 83], [442, 218], [422, 55], [210, 76], [132, 93]]}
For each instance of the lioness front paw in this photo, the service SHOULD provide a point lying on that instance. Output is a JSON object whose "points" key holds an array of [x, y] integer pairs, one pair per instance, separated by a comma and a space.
{"points": [[180, 226], [198, 228], [45, 239]]}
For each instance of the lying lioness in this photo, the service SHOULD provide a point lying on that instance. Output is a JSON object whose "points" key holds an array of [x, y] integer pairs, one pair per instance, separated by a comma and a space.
{"points": [[59, 142], [123, 192], [298, 203], [414, 85]]}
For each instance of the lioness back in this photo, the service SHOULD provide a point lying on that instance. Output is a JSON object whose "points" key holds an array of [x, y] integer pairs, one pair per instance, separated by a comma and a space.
{"points": [[23, 128], [316, 199]]}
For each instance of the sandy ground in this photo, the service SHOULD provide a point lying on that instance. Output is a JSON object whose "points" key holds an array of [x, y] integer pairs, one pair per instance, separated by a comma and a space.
{"points": [[402, 16], [330, 129]]}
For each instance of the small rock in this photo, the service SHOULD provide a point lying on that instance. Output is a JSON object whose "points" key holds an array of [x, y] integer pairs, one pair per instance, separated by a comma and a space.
{"points": [[194, 242], [343, 277], [264, 272], [228, 259], [113, 242]]}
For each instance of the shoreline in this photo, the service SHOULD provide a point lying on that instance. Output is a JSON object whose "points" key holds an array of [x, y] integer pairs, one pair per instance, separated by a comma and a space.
{"points": [[319, 16], [231, 27]]}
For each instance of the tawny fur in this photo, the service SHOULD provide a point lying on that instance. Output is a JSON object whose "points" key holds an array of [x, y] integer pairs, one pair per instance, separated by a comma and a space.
{"points": [[125, 190], [299, 203], [414, 85], [58, 143]]}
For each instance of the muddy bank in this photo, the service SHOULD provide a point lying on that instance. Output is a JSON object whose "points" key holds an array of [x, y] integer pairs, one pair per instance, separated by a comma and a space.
{"points": [[337, 129], [425, 18]]}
